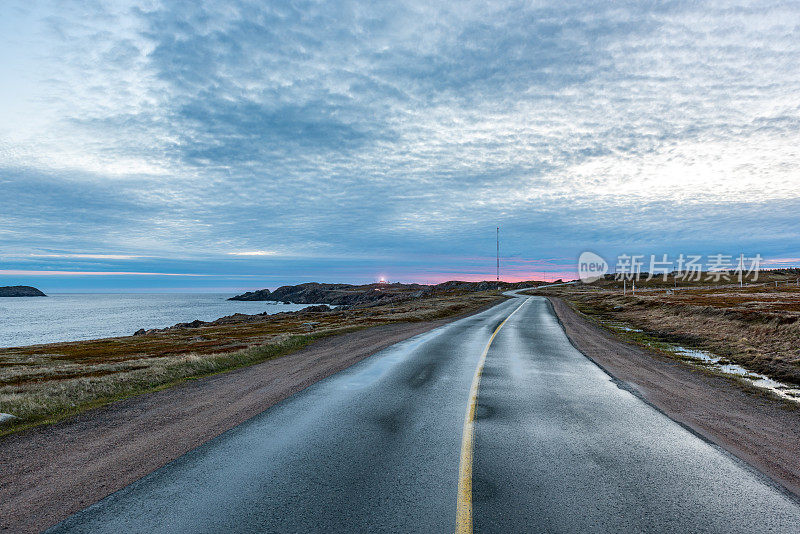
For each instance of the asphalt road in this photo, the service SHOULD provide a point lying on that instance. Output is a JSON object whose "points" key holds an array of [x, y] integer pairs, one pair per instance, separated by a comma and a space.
{"points": [[556, 446]]}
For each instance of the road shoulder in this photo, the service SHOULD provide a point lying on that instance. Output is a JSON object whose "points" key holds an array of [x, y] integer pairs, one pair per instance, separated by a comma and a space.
{"points": [[756, 428], [51, 472]]}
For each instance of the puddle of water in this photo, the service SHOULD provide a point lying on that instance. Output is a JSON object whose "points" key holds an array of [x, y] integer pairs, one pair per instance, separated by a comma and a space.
{"points": [[6, 417], [711, 361], [622, 327], [757, 379]]}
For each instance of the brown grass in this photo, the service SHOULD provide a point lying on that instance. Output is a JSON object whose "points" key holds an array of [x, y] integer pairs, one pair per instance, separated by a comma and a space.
{"points": [[755, 327], [45, 383]]}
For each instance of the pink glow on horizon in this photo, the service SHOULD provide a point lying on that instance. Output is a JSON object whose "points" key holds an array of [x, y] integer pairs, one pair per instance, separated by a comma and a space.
{"points": [[438, 278], [780, 261], [564, 263]]}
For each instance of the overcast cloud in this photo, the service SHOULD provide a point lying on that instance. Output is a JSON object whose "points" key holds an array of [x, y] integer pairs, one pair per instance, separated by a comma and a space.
{"points": [[264, 143]]}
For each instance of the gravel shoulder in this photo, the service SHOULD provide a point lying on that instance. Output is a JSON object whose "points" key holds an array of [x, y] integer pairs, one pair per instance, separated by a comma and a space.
{"points": [[50, 472], [761, 430]]}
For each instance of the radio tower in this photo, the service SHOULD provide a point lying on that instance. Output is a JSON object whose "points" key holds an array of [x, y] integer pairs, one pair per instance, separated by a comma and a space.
{"points": [[498, 257]]}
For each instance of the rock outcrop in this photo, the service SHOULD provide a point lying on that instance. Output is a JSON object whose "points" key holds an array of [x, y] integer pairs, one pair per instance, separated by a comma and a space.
{"points": [[261, 294], [20, 291], [336, 294], [236, 318]]}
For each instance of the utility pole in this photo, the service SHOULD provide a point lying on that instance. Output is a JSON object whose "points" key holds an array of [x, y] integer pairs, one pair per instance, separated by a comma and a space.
{"points": [[741, 270], [498, 257]]}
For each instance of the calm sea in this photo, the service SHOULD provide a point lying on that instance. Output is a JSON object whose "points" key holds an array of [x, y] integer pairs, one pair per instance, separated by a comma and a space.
{"points": [[72, 317]]}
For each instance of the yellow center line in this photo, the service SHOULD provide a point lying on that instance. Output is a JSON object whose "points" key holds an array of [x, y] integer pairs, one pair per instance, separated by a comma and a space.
{"points": [[464, 508]]}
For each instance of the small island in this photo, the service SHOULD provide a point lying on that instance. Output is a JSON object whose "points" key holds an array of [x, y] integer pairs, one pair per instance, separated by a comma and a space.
{"points": [[20, 291]]}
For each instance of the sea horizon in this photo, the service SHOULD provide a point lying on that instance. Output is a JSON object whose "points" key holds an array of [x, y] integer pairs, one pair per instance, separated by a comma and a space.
{"points": [[62, 317]]}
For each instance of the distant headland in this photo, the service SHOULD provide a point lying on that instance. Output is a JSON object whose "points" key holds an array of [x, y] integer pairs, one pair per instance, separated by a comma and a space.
{"points": [[366, 295], [20, 291]]}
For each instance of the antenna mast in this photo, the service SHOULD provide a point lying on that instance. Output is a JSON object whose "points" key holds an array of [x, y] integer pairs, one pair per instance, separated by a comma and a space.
{"points": [[498, 257]]}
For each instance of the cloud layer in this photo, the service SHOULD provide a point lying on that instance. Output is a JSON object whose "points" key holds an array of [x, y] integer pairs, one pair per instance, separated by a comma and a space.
{"points": [[377, 134]]}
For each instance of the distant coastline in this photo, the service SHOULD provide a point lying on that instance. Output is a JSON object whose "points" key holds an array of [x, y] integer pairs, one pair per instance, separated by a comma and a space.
{"points": [[20, 291], [364, 295]]}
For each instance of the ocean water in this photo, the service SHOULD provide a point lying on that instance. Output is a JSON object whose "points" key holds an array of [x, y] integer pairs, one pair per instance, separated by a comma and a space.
{"points": [[72, 317]]}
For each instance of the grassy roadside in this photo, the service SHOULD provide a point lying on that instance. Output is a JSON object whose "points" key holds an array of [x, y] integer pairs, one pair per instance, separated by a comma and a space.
{"points": [[47, 402], [43, 384], [757, 328]]}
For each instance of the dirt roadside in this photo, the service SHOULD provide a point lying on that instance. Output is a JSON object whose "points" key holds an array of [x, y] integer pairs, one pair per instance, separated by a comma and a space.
{"points": [[49, 472], [760, 430]]}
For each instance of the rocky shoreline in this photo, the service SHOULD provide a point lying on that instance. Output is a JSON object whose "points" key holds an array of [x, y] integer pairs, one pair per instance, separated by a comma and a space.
{"points": [[366, 295], [233, 319]]}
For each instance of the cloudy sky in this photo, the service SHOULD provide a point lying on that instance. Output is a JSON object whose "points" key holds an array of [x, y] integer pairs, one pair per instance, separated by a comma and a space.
{"points": [[237, 145]]}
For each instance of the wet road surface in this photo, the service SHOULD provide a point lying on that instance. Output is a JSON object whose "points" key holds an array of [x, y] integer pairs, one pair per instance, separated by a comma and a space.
{"points": [[558, 447]]}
